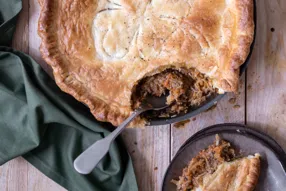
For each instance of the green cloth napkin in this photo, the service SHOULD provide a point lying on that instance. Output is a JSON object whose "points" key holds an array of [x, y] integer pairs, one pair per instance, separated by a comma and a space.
{"points": [[48, 127]]}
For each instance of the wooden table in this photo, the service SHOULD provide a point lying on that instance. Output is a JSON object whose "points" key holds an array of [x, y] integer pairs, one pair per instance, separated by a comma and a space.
{"points": [[261, 103]]}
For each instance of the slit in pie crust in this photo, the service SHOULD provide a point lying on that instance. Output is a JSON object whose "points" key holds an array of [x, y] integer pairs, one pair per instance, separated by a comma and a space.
{"points": [[100, 50]]}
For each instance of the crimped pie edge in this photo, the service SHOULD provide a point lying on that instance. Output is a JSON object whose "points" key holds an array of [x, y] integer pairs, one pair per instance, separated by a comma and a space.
{"points": [[101, 110]]}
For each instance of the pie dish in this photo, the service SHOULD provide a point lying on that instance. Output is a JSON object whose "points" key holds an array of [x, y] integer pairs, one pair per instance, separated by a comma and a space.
{"points": [[217, 168], [101, 50]]}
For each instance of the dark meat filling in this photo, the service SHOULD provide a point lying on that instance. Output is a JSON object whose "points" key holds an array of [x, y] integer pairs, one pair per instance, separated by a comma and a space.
{"points": [[206, 161], [187, 89]]}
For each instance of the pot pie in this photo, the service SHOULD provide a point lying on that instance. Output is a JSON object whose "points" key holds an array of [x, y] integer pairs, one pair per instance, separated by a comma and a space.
{"points": [[109, 54], [217, 168]]}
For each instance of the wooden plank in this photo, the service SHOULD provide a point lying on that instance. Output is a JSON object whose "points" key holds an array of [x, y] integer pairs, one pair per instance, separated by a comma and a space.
{"points": [[37, 181], [19, 175], [21, 36], [34, 40], [231, 109], [150, 152], [13, 175], [266, 79]]}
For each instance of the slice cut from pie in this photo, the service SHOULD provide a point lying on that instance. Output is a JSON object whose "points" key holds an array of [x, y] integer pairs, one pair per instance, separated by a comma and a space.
{"points": [[217, 168], [103, 51], [186, 87]]}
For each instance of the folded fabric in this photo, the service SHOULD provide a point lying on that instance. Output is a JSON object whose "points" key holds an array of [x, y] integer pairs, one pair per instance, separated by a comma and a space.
{"points": [[48, 127]]}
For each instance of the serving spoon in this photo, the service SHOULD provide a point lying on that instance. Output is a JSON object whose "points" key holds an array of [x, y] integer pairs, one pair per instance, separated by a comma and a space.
{"points": [[88, 160]]}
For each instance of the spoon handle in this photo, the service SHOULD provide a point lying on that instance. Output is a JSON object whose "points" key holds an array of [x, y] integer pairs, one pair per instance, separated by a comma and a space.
{"points": [[125, 123], [88, 160]]}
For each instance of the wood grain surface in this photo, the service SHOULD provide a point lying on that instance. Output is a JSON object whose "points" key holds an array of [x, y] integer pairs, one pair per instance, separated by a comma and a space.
{"points": [[261, 103], [266, 76]]}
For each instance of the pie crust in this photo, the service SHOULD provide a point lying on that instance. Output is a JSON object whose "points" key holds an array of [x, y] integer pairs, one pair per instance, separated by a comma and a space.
{"points": [[217, 168], [100, 49], [239, 175]]}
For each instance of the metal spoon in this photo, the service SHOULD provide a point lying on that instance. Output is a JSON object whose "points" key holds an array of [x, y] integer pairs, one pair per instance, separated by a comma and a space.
{"points": [[88, 160]]}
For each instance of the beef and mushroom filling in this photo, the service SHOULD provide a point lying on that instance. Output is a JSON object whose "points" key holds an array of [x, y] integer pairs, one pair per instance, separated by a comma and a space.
{"points": [[187, 89], [206, 161]]}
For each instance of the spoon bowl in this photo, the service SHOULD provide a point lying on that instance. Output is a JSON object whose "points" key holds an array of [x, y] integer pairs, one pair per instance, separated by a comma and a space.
{"points": [[155, 103]]}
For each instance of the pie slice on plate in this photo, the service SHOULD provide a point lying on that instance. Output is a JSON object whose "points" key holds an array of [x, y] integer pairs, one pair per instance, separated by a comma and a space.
{"points": [[109, 54], [218, 169]]}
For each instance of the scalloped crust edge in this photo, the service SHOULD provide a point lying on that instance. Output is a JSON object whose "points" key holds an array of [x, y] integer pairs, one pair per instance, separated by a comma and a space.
{"points": [[245, 26], [104, 112], [48, 49], [253, 174]]}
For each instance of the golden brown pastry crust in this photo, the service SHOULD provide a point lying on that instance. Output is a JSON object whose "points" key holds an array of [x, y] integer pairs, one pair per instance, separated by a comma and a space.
{"points": [[100, 67], [216, 168], [239, 175]]}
